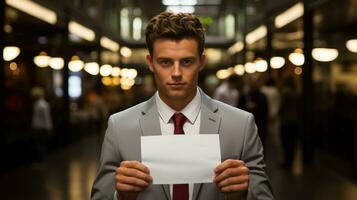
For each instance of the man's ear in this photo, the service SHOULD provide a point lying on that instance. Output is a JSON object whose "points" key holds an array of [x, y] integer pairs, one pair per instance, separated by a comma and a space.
{"points": [[203, 61], [149, 62]]}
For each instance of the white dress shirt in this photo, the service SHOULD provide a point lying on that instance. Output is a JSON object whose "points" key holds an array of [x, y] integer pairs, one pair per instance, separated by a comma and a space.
{"points": [[191, 127]]}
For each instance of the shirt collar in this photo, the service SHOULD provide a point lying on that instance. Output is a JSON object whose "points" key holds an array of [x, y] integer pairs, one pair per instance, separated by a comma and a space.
{"points": [[190, 111]]}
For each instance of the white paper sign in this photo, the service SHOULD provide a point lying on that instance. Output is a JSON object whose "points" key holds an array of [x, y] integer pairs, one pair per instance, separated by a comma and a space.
{"points": [[175, 159]]}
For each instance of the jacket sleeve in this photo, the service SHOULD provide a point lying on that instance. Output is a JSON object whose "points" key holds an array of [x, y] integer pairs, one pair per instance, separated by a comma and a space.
{"points": [[252, 154], [104, 184]]}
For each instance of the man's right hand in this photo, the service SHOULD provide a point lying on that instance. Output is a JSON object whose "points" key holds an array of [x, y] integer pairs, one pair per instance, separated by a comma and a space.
{"points": [[131, 177]]}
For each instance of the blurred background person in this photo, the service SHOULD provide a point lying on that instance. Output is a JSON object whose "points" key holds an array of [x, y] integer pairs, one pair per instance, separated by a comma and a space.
{"points": [[227, 92], [41, 122], [255, 102], [272, 94], [290, 120]]}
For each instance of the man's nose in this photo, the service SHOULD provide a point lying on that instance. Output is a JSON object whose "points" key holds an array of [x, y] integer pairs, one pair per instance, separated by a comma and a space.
{"points": [[176, 73]]}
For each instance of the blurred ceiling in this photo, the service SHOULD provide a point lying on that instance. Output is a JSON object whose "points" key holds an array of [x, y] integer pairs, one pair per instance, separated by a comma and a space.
{"points": [[335, 21]]}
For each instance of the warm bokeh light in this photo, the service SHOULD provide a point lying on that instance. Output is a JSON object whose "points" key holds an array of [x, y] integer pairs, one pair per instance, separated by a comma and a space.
{"points": [[34, 9], [261, 65], [289, 15], [324, 54], [239, 69], [116, 81], [92, 68], [277, 62], [10, 53], [125, 52], [109, 44], [351, 45], [75, 65], [81, 31], [42, 60], [105, 70], [107, 81], [297, 57], [298, 70], [56, 63], [115, 71], [249, 67], [13, 66], [223, 74]]}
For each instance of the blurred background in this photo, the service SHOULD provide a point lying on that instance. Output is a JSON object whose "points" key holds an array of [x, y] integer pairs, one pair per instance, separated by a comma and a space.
{"points": [[67, 65]]}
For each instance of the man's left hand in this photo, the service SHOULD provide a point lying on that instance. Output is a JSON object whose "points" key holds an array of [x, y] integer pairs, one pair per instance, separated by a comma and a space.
{"points": [[232, 177]]}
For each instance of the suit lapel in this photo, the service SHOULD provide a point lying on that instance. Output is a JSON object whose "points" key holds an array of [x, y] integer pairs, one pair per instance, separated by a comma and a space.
{"points": [[210, 123], [149, 121], [150, 125]]}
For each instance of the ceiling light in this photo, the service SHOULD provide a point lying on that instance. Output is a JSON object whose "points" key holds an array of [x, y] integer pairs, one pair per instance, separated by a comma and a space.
{"points": [[115, 71], [109, 44], [277, 62], [261, 65], [105, 70], [250, 67], [236, 47], [75, 65], [256, 34], [297, 57], [324, 54], [125, 52], [239, 69], [81, 31], [179, 2], [42, 60], [223, 74], [56, 63], [181, 9], [92, 68], [34, 10], [352, 45], [289, 15], [10, 53]]}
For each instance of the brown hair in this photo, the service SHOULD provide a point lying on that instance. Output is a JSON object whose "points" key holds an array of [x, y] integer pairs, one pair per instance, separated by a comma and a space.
{"points": [[175, 26]]}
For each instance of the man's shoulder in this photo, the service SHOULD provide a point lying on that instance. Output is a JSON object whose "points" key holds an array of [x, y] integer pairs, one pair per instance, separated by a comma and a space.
{"points": [[134, 111], [226, 109]]}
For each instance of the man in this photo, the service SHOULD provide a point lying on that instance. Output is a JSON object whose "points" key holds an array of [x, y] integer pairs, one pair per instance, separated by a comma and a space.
{"points": [[176, 43], [227, 92]]}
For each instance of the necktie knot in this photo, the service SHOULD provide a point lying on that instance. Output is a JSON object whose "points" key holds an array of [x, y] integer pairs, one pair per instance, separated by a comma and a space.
{"points": [[179, 120]]}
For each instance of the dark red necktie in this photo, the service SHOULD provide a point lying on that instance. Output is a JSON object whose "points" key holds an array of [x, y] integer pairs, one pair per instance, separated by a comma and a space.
{"points": [[180, 191]]}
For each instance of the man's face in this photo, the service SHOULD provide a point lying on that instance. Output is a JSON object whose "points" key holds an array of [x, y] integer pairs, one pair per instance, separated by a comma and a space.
{"points": [[176, 65]]}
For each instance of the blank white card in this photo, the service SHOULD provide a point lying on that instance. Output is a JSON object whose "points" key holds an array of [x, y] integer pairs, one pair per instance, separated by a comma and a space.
{"points": [[175, 159]]}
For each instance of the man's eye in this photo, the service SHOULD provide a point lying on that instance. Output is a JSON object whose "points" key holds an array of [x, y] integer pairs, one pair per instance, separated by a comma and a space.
{"points": [[187, 62], [165, 62]]}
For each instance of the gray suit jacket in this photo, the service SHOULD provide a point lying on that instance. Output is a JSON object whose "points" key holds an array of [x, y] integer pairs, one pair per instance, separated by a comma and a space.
{"points": [[238, 140]]}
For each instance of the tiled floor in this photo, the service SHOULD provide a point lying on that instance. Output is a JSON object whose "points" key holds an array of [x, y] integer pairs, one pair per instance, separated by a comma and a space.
{"points": [[68, 175]]}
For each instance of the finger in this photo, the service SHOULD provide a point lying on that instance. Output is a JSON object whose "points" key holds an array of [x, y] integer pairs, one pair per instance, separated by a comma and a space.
{"points": [[131, 181], [136, 165], [231, 172], [132, 172], [228, 164], [233, 181], [127, 188], [235, 188]]}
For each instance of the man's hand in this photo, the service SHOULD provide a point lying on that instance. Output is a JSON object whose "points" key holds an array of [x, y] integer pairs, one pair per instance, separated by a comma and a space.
{"points": [[131, 178], [232, 178]]}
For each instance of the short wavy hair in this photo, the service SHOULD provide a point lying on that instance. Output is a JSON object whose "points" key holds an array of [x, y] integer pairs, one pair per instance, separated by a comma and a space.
{"points": [[175, 26]]}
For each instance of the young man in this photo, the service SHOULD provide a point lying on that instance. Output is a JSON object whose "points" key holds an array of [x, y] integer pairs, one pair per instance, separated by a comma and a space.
{"points": [[176, 44]]}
